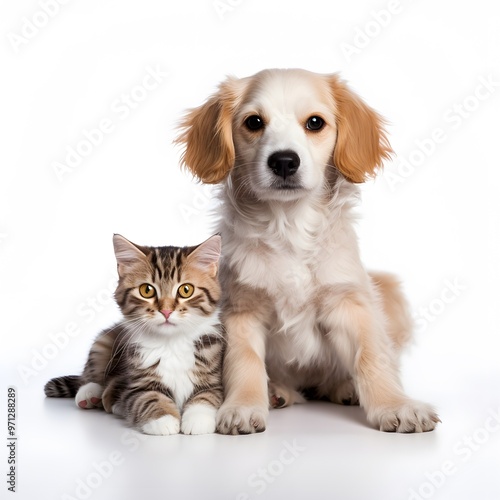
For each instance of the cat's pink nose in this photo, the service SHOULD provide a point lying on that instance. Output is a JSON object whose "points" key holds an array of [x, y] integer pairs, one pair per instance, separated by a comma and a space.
{"points": [[166, 313]]}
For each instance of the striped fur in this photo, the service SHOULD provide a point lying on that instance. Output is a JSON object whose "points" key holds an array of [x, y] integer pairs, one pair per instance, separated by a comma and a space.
{"points": [[63, 387], [164, 359]]}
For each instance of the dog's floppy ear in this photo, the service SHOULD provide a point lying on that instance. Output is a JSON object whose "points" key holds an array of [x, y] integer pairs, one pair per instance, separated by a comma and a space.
{"points": [[362, 143], [206, 135]]}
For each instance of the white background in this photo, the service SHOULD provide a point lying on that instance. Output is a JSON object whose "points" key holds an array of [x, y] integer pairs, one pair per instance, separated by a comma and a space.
{"points": [[435, 223]]}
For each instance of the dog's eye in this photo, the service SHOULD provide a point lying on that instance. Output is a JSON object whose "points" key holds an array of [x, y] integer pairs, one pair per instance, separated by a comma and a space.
{"points": [[315, 123], [254, 122]]}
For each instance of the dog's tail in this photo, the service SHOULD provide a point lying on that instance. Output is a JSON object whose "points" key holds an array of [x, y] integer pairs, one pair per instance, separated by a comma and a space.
{"points": [[399, 321]]}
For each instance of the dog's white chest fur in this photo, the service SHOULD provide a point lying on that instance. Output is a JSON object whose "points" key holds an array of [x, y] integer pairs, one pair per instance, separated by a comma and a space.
{"points": [[294, 258]]}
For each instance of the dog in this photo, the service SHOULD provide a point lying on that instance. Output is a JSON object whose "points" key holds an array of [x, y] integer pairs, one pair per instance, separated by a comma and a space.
{"points": [[302, 314]]}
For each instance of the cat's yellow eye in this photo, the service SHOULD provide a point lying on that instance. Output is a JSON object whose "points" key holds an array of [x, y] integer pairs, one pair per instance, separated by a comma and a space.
{"points": [[147, 291], [185, 290]]}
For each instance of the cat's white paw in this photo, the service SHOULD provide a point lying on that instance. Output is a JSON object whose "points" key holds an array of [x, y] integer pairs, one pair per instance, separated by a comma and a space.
{"points": [[163, 426], [408, 417], [199, 419], [89, 396]]}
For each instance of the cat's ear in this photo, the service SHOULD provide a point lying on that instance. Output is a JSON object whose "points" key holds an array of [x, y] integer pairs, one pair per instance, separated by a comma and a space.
{"points": [[127, 253], [206, 256]]}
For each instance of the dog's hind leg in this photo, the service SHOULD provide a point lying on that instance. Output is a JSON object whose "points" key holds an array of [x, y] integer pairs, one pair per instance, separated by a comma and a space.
{"points": [[344, 393], [281, 395], [358, 332]]}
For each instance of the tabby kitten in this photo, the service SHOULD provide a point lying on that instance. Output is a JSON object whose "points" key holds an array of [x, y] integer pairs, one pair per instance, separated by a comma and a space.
{"points": [[160, 367]]}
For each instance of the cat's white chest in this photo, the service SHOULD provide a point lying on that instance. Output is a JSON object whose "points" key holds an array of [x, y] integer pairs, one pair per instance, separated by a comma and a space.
{"points": [[176, 361]]}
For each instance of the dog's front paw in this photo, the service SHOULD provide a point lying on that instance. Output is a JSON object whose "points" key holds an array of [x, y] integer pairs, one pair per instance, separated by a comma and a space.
{"points": [[408, 417], [239, 419]]}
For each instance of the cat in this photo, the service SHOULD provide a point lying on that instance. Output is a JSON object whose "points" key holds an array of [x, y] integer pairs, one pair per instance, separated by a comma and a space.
{"points": [[161, 366]]}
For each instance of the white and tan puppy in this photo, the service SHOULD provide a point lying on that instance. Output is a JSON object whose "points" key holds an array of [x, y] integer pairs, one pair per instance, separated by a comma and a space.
{"points": [[301, 311]]}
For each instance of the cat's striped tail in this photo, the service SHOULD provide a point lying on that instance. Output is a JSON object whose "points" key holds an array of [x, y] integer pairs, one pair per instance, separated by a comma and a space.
{"points": [[63, 387]]}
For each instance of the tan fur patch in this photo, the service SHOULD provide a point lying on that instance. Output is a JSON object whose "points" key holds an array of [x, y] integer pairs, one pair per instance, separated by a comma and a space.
{"points": [[362, 143], [207, 135], [244, 370]]}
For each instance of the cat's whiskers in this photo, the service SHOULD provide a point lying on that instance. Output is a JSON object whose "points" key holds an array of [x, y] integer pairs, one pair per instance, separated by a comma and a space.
{"points": [[134, 328]]}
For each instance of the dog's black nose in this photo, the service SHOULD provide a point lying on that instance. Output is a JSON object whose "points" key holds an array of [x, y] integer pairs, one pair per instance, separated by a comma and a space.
{"points": [[284, 163]]}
